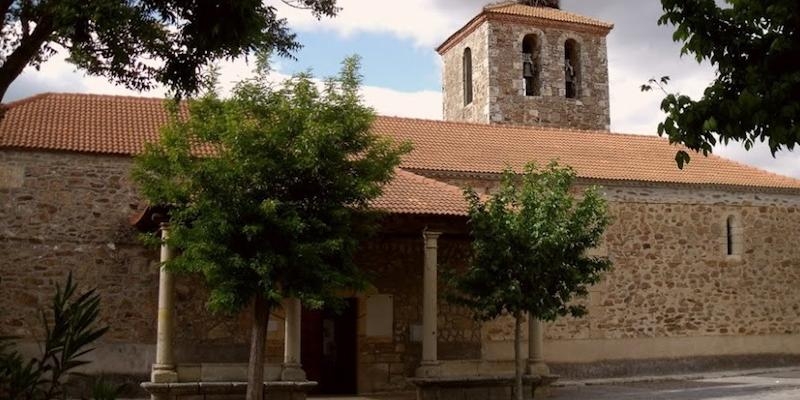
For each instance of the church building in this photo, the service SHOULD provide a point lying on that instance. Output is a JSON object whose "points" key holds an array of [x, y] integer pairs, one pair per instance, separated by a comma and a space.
{"points": [[706, 264]]}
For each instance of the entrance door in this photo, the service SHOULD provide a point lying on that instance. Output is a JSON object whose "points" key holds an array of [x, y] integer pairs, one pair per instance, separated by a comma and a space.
{"points": [[328, 349]]}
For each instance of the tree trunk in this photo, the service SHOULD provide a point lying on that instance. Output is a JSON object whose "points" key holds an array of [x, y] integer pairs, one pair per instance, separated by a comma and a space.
{"points": [[258, 338], [518, 356]]}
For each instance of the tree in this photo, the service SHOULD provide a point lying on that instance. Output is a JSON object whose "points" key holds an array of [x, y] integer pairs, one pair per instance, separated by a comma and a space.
{"points": [[267, 191], [542, 3], [753, 44], [529, 250], [145, 42]]}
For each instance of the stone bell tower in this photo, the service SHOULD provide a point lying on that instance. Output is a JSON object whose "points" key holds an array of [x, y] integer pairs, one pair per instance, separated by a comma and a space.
{"points": [[523, 64]]}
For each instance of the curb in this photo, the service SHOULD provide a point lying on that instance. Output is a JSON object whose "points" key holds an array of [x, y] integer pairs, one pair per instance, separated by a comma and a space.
{"points": [[663, 378]]}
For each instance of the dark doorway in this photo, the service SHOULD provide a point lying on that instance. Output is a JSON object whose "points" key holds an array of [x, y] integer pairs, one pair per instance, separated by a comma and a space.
{"points": [[328, 348]]}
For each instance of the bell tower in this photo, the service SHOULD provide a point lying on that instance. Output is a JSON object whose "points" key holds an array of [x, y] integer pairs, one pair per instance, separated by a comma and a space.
{"points": [[527, 62]]}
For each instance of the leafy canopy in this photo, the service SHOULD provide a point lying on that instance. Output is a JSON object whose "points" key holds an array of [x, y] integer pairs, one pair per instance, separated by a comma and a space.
{"points": [[139, 43], [754, 45], [272, 207], [529, 246]]}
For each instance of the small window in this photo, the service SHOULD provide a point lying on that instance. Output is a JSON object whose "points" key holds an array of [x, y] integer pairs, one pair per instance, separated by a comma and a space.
{"points": [[531, 65], [730, 236], [467, 65], [572, 68]]}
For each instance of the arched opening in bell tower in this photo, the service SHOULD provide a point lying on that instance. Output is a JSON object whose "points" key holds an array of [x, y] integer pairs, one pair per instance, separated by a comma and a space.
{"points": [[572, 68], [531, 65], [466, 65]]}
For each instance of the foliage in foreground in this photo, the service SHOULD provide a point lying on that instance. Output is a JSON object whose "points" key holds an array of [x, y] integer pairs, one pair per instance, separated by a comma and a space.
{"points": [[530, 243], [267, 190], [143, 43], [754, 45], [70, 330]]}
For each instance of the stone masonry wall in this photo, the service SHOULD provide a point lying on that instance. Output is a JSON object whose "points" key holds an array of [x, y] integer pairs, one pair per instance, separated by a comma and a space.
{"points": [[509, 105], [453, 79], [395, 266], [497, 55], [672, 276], [62, 212]]}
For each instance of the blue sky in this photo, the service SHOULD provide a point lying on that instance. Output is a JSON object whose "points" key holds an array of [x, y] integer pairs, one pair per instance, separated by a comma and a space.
{"points": [[396, 41]]}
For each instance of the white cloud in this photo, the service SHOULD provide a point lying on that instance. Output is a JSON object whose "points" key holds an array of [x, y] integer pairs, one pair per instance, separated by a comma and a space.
{"points": [[420, 21]]}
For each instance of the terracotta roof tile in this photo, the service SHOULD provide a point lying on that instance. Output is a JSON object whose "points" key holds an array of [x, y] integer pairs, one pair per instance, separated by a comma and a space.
{"points": [[121, 125], [409, 193], [511, 10], [478, 148], [84, 123], [546, 13]]}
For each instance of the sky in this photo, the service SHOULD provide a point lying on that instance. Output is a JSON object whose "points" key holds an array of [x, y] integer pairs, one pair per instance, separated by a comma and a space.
{"points": [[402, 71]]}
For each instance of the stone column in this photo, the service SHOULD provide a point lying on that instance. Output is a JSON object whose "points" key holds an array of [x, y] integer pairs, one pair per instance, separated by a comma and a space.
{"points": [[164, 370], [292, 369], [430, 365], [536, 365]]}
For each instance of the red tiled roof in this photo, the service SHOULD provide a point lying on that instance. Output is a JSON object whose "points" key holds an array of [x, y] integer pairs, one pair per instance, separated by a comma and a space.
{"points": [[122, 125], [410, 193], [546, 13], [520, 13], [478, 148]]}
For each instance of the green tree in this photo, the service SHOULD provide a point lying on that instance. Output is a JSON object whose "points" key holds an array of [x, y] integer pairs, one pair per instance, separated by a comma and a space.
{"points": [[140, 43], [529, 250], [754, 45], [271, 207]]}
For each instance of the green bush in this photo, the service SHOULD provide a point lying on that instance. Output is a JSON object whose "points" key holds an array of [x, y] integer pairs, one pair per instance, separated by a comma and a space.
{"points": [[70, 331]]}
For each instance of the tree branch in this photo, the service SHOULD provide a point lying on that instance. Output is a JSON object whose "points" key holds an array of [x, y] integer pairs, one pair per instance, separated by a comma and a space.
{"points": [[16, 62], [5, 5]]}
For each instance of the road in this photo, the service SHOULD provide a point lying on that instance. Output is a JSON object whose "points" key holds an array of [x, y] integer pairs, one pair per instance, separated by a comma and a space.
{"points": [[770, 386]]}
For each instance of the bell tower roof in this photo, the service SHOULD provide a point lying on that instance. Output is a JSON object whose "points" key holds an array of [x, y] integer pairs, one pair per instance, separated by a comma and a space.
{"points": [[513, 11]]}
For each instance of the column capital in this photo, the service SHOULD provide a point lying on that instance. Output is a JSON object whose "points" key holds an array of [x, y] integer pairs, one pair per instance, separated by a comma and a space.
{"points": [[430, 235]]}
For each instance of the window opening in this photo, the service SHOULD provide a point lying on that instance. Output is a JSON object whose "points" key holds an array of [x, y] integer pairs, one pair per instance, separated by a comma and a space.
{"points": [[572, 68], [467, 65], [531, 65], [729, 235]]}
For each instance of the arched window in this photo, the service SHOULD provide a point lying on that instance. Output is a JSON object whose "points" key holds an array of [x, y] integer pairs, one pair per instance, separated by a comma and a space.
{"points": [[572, 68], [467, 65], [531, 65]]}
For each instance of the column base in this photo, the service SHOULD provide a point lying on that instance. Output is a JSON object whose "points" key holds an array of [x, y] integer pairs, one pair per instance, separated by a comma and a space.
{"points": [[538, 368], [429, 369], [293, 373], [164, 373]]}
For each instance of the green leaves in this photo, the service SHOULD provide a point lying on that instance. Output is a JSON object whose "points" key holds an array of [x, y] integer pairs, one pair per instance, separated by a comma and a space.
{"points": [[269, 189], [141, 44], [70, 332], [529, 246], [753, 44]]}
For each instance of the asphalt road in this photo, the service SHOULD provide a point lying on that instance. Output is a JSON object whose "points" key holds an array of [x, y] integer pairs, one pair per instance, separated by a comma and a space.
{"points": [[771, 386]]}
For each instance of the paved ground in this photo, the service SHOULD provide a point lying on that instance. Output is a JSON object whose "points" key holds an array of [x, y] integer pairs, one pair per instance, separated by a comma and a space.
{"points": [[766, 386], [776, 385]]}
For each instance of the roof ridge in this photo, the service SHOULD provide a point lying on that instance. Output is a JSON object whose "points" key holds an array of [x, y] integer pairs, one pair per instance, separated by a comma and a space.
{"points": [[528, 127], [28, 99], [748, 166], [42, 95], [443, 185], [511, 4], [498, 4]]}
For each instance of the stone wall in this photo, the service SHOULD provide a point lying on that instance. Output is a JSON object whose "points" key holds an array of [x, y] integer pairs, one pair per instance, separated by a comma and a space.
{"points": [[65, 212], [673, 285], [396, 266], [672, 276], [497, 55], [453, 79]]}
